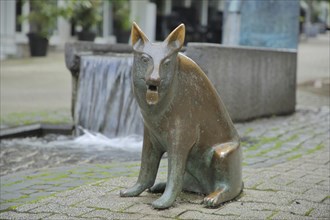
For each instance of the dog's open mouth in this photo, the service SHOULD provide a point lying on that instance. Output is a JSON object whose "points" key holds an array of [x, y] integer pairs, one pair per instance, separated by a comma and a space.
{"points": [[152, 94]]}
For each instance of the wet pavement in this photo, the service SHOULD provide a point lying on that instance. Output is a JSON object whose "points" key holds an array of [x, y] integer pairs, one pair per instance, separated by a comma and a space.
{"points": [[54, 151]]}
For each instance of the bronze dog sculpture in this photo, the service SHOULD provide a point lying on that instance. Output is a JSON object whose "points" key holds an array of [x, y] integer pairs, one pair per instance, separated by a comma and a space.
{"points": [[183, 116]]}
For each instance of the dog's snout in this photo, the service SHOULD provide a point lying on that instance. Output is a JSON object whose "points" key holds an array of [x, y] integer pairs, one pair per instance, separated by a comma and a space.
{"points": [[153, 80]]}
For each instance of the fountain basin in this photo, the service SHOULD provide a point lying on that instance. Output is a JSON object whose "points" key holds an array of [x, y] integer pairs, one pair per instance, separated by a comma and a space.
{"points": [[35, 130], [252, 82]]}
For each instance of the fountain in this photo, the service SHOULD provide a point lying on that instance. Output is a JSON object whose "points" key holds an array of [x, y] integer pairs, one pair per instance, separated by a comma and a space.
{"points": [[253, 82], [105, 102], [102, 99]]}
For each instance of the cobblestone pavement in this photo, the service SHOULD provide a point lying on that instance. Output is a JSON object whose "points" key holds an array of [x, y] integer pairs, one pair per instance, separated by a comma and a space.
{"points": [[286, 175]]}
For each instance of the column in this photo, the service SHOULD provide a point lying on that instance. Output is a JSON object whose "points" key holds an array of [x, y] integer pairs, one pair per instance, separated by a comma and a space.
{"points": [[64, 28], [144, 14], [7, 28]]}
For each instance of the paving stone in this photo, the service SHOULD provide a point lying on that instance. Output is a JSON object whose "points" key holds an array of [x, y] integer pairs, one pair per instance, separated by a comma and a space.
{"points": [[11, 195], [120, 181], [56, 189], [6, 205], [275, 187], [55, 208], [323, 171], [17, 215], [16, 187], [110, 202], [252, 182], [39, 195], [68, 192], [316, 162], [255, 161], [41, 186], [75, 183], [63, 217], [262, 196], [280, 180], [294, 174], [199, 215], [263, 207], [327, 201], [289, 197], [90, 191], [155, 217], [321, 212], [12, 178], [234, 208], [269, 163], [290, 216], [316, 195], [179, 207], [28, 207], [111, 215], [284, 167], [311, 179], [186, 197], [300, 207], [28, 191], [252, 214], [305, 208], [148, 210], [248, 210], [68, 201]]}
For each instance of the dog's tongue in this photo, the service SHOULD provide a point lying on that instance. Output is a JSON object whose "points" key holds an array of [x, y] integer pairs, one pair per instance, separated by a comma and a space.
{"points": [[152, 97]]}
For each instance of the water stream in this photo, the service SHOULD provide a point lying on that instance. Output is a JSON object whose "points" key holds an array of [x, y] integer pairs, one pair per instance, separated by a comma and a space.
{"points": [[105, 102]]}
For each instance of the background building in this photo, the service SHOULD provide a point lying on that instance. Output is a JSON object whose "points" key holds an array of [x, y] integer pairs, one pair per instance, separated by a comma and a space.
{"points": [[216, 21]]}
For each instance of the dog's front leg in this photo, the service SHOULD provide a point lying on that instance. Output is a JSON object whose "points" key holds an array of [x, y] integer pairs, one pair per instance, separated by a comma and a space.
{"points": [[151, 156], [176, 167]]}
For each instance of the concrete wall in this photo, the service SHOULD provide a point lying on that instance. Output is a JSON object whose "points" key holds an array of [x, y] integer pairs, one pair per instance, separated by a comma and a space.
{"points": [[252, 82]]}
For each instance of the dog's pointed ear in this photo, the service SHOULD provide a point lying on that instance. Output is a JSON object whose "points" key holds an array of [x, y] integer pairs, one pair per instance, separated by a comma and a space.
{"points": [[138, 37], [175, 39]]}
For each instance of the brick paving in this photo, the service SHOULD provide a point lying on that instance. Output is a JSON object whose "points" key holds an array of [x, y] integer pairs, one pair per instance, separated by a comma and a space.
{"points": [[286, 176]]}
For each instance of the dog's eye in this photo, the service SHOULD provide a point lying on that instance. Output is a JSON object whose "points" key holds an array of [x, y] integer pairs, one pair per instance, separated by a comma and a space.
{"points": [[166, 62], [144, 58]]}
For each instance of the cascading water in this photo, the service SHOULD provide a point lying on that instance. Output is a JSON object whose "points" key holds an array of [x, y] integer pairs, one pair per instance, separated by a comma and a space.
{"points": [[105, 101]]}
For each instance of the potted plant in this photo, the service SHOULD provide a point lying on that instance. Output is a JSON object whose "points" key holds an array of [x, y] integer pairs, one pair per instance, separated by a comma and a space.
{"points": [[122, 24], [42, 17], [85, 14]]}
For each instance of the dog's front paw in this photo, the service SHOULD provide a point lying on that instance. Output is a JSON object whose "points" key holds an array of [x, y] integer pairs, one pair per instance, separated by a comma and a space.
{"points": [[162, 203], [133, 191]]}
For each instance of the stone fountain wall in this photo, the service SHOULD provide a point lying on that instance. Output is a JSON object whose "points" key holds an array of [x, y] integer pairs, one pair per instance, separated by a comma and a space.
{"points": [[252, 82]]}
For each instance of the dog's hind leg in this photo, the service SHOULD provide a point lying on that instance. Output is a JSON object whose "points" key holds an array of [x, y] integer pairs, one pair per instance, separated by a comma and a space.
{"points": [[227, 180]]}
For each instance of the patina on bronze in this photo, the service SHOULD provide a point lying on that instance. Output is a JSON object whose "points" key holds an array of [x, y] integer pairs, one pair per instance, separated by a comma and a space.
{"points": [[185, 117]]}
